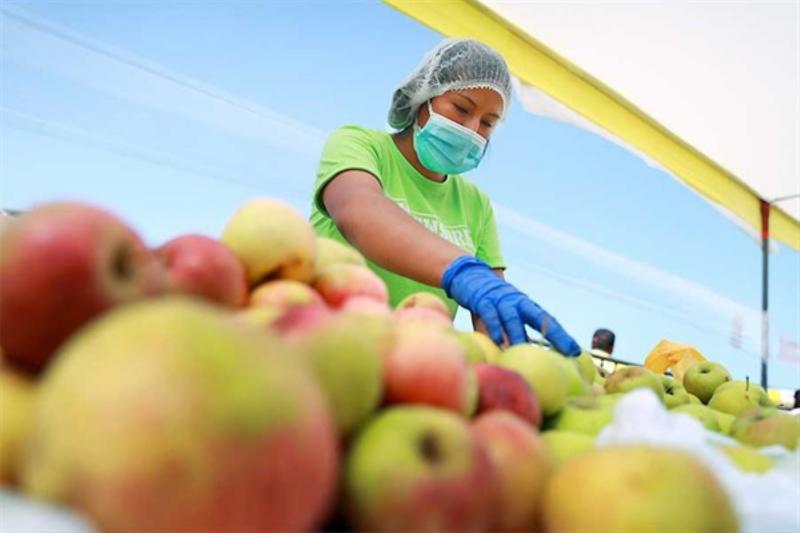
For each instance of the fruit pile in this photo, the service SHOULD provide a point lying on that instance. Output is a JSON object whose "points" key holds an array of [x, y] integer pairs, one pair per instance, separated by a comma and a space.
{"points": [[261, 382]]}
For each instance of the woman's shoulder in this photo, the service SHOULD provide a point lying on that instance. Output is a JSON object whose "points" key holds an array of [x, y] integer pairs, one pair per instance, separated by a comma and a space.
{"points": [[358, 132]]}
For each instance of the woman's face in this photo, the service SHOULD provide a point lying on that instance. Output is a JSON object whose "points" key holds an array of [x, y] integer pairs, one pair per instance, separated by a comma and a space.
{"points": [[476, 109]]}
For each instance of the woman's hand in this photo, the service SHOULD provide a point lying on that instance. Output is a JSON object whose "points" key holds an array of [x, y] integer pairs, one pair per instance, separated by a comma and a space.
{"points": [[501, 306]]}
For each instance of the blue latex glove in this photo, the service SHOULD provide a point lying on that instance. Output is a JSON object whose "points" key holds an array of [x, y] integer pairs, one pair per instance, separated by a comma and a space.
{"points": [[501, 306]]}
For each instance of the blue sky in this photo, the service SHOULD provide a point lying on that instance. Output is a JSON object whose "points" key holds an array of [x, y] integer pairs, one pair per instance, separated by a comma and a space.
{"points": [[173, 114]]}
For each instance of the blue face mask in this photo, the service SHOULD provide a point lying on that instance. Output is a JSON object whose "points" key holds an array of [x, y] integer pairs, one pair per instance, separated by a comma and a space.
{"points": [[447, 147]]}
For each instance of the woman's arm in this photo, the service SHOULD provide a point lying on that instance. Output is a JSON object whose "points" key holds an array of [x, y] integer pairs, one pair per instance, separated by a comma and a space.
{"points": [[385, 233]]}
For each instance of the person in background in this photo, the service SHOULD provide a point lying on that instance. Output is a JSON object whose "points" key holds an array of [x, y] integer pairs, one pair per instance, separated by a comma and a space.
{"points": [[603, 342], [401, 200]]}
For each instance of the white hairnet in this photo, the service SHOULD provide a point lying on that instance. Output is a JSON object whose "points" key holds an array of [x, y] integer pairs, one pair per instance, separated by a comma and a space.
{"points": [[453, 64]]}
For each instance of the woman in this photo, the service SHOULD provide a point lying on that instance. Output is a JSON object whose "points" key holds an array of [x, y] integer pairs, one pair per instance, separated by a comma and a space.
{"points": [[401, 200]]}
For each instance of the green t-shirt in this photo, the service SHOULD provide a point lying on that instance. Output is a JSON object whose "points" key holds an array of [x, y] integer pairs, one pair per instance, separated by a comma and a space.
{"points": [[455, 209]]}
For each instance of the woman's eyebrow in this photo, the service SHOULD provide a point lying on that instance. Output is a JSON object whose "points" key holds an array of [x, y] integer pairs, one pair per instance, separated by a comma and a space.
{"points": [[471, 101]]}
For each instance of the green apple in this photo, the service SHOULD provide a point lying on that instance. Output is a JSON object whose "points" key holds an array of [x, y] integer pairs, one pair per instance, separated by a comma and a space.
{"points": [[765, 427], [633, 377], [705, 415], [674, 393], [491, 351], [543, 370], [748, 459], [472, 349], [636, 488], [694, 399], [417, 468], [724, 421], [736, 397], [566, 445], [586, 366], [576, 386], [170, 415], [582, 415], [702, 379]]}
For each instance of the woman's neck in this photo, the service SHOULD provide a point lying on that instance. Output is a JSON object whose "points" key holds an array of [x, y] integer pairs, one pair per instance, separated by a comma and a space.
{"points": [[405, 143]]}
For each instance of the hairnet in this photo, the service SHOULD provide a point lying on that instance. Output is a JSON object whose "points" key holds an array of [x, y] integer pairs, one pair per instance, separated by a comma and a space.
{"points": [[453, 64]]}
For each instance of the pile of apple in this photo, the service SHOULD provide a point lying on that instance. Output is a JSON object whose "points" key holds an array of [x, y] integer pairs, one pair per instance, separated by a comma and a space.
{"points": [[261, 382]]}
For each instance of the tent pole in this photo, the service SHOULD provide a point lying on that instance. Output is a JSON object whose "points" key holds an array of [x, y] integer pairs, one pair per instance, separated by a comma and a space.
{"points": [[765, 208]]}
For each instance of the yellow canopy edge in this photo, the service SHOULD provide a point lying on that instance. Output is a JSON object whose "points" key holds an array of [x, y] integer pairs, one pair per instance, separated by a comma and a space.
{"points": [[537, 65]]}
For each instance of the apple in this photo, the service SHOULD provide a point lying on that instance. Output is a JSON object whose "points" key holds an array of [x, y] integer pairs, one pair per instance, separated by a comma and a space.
{"points": [[340, 282], [62, 265], [586, 367], [502, 389], [419, 468], [284, 294], [694, 399], [169, 415], [423, 316], [472, 349], [543, 370], [702, 413], [332, 252], [491, 352], [629, 378], [426, 365], [761, 427], [576, 386], [674, 393], [748, 459], [724, 421], [17, 395], [636, 488], [702, 379], [348, 364], [566, 445], [204, 267], [364, 306], [736, 397], [272, 240], [523, 465], [582, 415], [428, 301]]}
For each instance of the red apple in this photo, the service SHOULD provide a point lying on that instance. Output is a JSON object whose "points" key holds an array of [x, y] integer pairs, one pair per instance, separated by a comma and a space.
{"points": [[426, 364], [501, 388], [342, 281], [426, 300], [295, 308], [422, 315], [169, 415], [61, 265], [523, 465], [204, 267]]}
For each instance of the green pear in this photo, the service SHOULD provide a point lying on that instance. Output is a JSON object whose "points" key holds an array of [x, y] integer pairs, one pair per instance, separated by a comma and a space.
{"points": [[566, 445], [636, 488], [633, 377], [702, 379], [674, 393], [724, 421], [543, 370]]}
